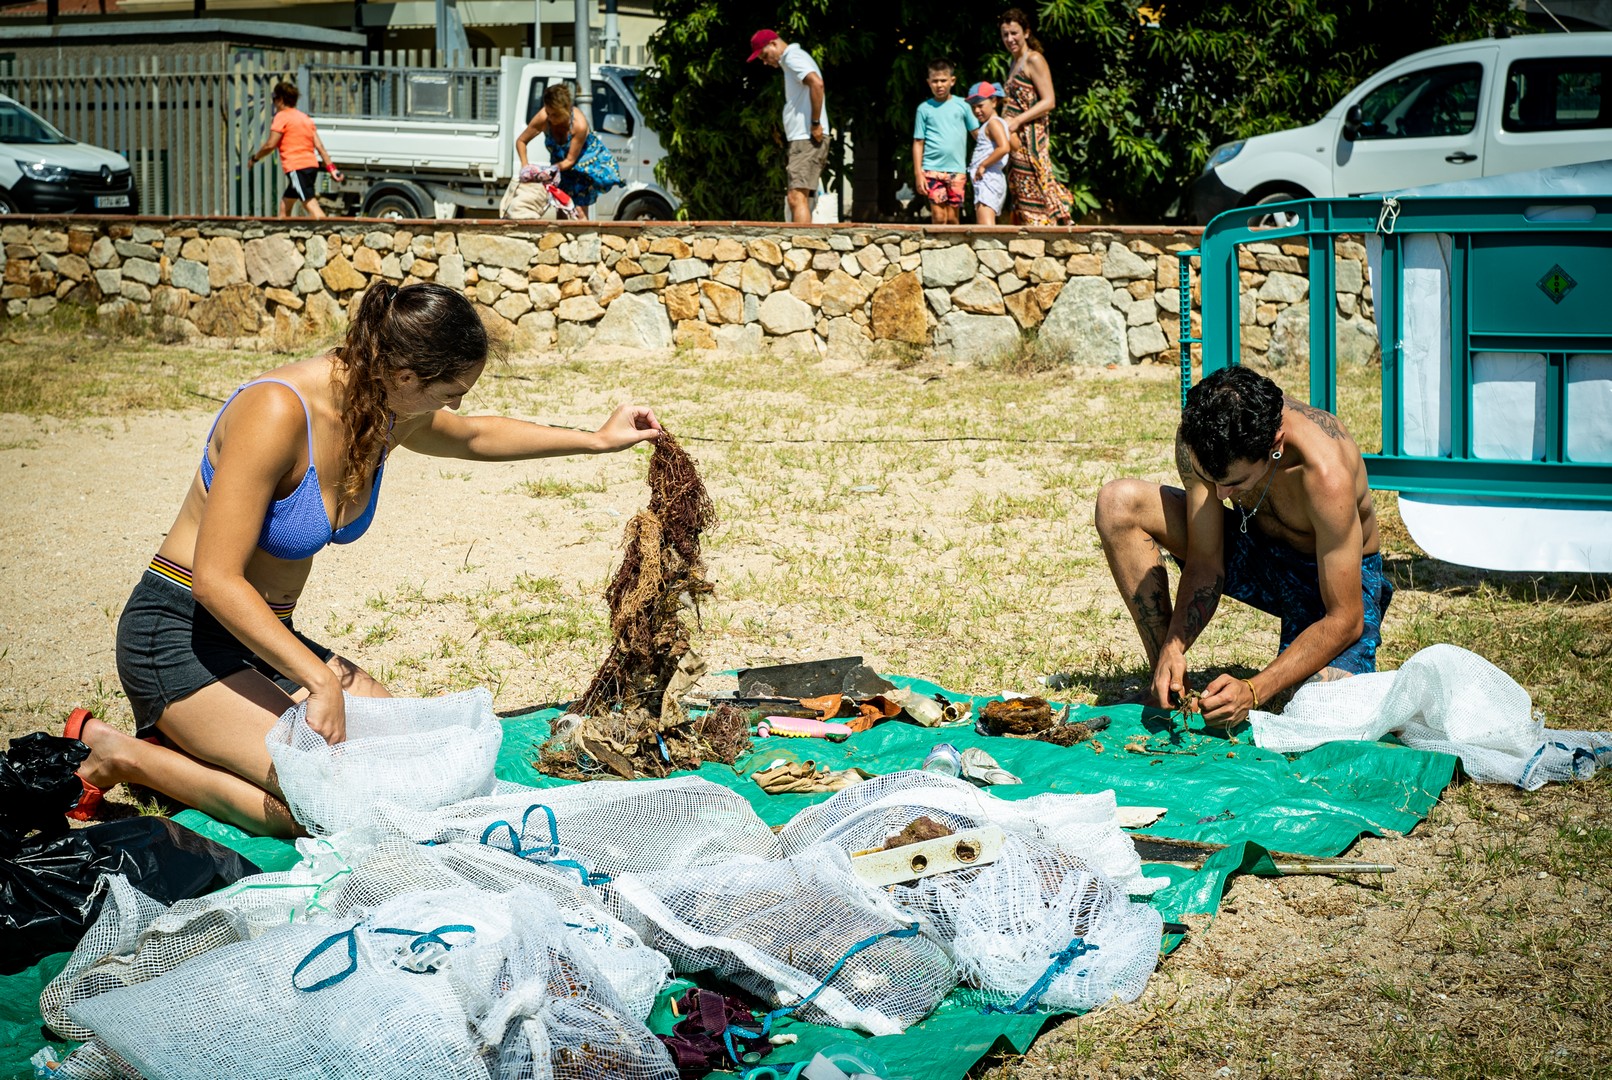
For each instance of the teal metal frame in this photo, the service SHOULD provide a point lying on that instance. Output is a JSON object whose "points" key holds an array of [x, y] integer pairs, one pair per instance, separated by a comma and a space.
{"points": [[1526, 275]]}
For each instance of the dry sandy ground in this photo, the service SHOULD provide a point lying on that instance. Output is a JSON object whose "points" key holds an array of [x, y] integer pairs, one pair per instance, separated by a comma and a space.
{"points": [[1484, 955]]}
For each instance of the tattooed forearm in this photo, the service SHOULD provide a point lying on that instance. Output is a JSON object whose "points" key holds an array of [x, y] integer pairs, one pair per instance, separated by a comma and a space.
{"points": [[1321, 419], [1150, 607], [1201, 608]]}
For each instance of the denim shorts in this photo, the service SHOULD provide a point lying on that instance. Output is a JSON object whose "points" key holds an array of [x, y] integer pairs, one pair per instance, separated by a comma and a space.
{"points": [[169, 647], [1281, 580]]}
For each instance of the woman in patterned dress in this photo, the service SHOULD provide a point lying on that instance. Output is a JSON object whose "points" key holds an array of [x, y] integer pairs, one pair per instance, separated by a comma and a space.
{"points": [[1038, 198], [584, 163]]}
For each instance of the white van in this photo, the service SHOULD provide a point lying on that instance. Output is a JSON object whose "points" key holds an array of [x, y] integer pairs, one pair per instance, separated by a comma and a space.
{"points": [[42, 171], [1480, 108]]}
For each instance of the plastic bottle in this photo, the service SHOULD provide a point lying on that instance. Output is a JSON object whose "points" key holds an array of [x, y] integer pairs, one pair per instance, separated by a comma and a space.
{"points": [[944, 760]]}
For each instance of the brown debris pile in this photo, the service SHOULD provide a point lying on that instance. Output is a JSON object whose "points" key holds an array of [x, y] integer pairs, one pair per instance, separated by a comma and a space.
{"points": [[1031, 718], [629, 722]]}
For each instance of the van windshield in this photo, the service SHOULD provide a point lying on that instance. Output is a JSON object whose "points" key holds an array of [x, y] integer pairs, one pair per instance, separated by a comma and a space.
{"points": [[18, 125]]}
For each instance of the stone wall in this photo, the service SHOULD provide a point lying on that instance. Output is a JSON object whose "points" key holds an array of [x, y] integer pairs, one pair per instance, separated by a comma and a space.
{"points": [[1099, 295]]}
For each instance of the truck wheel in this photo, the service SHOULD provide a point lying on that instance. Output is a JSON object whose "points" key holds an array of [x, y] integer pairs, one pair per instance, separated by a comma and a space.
{"points": [[8, 205], [395, 205], [644, 208]]}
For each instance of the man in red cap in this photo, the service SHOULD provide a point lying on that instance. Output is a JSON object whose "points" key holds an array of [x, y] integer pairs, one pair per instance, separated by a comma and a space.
{"points": [[805, 118]]}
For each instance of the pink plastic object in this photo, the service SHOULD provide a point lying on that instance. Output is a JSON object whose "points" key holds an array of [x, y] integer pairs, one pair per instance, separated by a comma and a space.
{"points": [[798, 727]]}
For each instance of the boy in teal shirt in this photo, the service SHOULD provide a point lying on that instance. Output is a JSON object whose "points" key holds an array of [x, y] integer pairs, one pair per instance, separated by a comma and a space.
{"points": [[939, 144]]}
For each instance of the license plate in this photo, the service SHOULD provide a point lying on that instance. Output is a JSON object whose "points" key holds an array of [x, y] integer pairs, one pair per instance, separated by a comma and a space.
{"points": [[111, 202]]}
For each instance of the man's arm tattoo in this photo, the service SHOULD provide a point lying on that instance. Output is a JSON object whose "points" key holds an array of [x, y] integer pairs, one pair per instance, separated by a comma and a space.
{"points": [[1201, 608], [1321, 419], [1151, 606], [1183, 461]]}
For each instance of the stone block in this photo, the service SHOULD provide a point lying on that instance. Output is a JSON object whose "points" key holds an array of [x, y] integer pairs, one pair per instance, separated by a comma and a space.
{"points": [[802, 343], [1146, 340], [107, 281], [1030, 249], [755, 278], [797, 259], [682, 301], [1357, 342], [872, 260], [226, 265], [75, 268], [1349, 277], [636, 321], [1082, 327], [272, 260], [945, 267], [544, 296], [450, 271], [512, 305], [672, 246], [1141, 313], [898, 312], [744, 340], [808, 287], [605, 285], [682, 270], [939, 301], [41, 305], [644, 283], [308, 281], [233, 311], [693, 334], [730, 274], [765, 251], [979, 296], [584, 250], [728, 250], [1168, 300], [491, 249], [392, 268], [1120, 263], [1284, 288], [582, 308], [284, 297], [128, 249], [1290, 336], [842, 294], [783, 313], [979, 338], [367, 260], [1024, 308], [721, 303], [1046, 269], [189, 274], [339, 276], [1088, 265], [994, 259]]}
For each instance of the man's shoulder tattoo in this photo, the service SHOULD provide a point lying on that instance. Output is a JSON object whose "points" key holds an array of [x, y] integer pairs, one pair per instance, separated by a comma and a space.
{"points": [[1319, 417]]}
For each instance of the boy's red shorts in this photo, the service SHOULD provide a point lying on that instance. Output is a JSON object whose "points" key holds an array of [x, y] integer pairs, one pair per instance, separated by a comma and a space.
{"points": [[943, 188]]}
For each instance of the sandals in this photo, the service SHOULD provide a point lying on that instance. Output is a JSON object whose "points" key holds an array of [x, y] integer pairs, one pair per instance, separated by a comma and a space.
{"points": [[89, 803]]}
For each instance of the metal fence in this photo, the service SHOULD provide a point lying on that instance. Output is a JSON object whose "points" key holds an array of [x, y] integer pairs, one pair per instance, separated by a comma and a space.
{"points": [[189, 124]]}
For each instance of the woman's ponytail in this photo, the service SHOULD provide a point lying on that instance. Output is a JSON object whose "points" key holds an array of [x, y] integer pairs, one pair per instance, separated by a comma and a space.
{"points": [[428, 329]]}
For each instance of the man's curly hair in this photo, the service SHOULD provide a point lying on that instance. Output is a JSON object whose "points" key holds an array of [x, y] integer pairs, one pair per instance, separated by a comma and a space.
{"points": [[1231, 415]]}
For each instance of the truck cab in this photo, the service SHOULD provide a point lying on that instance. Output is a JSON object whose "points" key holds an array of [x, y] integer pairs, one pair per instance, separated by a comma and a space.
{"points": [[432, 142]]}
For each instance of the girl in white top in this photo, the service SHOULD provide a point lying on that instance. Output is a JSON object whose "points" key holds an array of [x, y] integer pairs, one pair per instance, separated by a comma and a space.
{"points": [[988, 168]]}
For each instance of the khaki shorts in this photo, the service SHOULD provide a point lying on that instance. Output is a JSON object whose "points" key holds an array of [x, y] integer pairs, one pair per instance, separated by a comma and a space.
{"points": [[806, 161]]}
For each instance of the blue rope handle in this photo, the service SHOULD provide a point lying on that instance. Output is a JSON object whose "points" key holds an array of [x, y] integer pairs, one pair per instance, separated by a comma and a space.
{"points": [[910, 930], [421, 938], [1030, 1000], [548, 854]]}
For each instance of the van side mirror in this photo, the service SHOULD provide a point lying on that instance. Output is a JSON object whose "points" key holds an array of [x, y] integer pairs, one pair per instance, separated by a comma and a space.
{"points": [[1352, 123], [617, 124]]}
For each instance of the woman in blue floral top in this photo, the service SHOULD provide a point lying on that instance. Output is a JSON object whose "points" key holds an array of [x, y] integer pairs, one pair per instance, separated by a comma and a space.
{"points": [[586, 168]]}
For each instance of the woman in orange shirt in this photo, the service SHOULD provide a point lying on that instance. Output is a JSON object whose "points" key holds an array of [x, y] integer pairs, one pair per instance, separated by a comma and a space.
{"points": [[301, 150]]}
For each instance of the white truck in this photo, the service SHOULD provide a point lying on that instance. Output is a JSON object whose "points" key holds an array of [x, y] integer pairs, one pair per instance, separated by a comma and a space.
{"points": [[440, 142]]}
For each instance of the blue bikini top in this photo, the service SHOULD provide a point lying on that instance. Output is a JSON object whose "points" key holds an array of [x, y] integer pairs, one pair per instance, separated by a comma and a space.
{"points": [[297, 526]]}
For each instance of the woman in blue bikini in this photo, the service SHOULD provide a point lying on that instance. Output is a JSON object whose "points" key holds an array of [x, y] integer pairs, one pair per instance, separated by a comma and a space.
{"points": [[206, 649]]}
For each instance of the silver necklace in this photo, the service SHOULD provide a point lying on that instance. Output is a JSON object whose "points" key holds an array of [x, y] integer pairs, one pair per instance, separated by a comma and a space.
{"points": [[1248, 514]]}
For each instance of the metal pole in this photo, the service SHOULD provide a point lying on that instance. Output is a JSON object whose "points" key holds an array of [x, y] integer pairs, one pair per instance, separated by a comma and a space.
{"points": [[612, 38], [584, 96]]}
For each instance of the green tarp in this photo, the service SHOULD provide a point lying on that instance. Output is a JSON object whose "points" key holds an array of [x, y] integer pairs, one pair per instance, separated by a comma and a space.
{"points": [[1214, 787]]}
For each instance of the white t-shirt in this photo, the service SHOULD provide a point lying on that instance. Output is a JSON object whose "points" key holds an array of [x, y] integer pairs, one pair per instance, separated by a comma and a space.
{"points": [[796, 64]]}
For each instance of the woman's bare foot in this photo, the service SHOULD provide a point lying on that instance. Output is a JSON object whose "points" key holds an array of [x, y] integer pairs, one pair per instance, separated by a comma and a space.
{"points": [[111, 754]]}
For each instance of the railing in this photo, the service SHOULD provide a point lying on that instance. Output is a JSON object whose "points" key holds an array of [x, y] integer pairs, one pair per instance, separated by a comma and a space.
{"points": [[1509, 299]]}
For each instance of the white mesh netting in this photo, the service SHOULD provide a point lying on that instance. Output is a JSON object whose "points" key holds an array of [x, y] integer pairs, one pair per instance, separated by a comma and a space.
{"points": [[610, 828], [779, 928], [428, 984], [420, 753], [865, 815], [1446, 699], [1006, 922]]}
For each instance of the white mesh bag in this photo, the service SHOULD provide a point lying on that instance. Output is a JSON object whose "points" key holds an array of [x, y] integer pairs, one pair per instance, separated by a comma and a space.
{"points": [[235, 1012], [865, 815], [419, 753], [1445, 699], [1008, 922], [136, 939], [609, 828], [396, 868], [780, 928]]}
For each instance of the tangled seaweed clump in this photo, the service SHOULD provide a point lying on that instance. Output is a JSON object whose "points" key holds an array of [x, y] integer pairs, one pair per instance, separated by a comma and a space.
{"points": [[629, 722]]}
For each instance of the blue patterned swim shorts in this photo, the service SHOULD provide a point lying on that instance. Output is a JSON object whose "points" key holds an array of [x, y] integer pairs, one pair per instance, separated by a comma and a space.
{"points": [[1279, 580]]}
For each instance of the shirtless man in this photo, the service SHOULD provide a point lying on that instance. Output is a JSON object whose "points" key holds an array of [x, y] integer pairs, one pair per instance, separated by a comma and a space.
{"points": [[1298, 541]]}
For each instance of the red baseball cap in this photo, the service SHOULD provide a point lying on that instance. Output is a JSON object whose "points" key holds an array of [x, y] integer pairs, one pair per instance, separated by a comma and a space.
{"points": [[760, 40]]}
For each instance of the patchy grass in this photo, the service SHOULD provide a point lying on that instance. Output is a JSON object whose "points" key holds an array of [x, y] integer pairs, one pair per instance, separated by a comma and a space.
{"points": [[937, 520]]}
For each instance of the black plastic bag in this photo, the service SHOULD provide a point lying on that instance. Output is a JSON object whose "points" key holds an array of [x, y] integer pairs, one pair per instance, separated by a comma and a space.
{"points": [[48, 894], [38, 785]]}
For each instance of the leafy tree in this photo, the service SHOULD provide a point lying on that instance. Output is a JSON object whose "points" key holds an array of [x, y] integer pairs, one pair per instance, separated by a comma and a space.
{"points": [[1144, 92]]}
